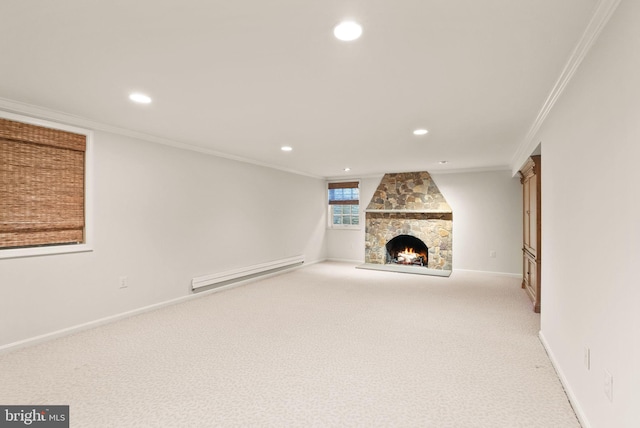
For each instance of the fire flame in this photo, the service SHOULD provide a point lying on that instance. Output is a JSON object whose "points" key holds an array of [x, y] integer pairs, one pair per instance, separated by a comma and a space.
{"points": [[407, 256]]}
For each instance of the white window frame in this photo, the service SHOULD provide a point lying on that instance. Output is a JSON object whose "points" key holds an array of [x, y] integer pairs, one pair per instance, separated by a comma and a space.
{"points": [[330, 224], [88, 194]]}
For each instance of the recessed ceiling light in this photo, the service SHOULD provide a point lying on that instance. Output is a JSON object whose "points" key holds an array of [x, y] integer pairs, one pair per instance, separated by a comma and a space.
{"points": [[420, 132], [347, 169], [286, 148], [443, 162], [347, 31], [139, 98]]}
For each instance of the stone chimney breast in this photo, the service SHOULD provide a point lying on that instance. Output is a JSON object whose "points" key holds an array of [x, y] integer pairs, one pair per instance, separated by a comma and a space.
{"points": [[408, 191]]}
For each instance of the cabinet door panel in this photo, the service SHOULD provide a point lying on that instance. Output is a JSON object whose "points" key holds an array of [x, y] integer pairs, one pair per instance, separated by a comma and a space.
{"points": [[533, 218], [526, 207], [526, 277]]}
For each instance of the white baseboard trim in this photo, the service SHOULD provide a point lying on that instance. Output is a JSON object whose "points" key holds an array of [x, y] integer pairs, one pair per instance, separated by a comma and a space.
{"points": [[314, 262], [358, 262], [577, 408], [510, 275], [117, 317]]}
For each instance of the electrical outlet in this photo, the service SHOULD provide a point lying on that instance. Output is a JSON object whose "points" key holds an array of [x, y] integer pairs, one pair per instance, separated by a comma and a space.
{"points": [[608, 385], [492, 254], [587, 358], [123, 281]]}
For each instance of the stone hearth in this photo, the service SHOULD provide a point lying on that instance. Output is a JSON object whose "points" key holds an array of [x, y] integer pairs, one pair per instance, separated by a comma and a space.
{"points": [[409, 204]]}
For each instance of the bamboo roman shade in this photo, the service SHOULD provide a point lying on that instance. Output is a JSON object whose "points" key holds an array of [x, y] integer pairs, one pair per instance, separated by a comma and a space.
{"points": [[344, 193], [41, 185]]}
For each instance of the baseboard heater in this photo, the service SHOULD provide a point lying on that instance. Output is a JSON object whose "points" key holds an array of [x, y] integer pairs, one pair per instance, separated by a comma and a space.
{"points": [[215, 280]]}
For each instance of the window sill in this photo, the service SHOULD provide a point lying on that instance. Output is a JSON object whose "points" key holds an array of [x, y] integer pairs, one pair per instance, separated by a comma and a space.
{"points": [[44, 251], [344, 227]]}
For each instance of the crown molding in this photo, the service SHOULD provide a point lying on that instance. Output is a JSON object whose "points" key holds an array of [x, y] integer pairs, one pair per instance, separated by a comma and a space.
{"points": [[431, 172], [493, 168], [601, 15], [72, 120]]}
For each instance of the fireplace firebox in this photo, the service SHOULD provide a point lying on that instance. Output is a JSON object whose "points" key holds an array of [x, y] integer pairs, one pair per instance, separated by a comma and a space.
{"points": [[407, 250]]}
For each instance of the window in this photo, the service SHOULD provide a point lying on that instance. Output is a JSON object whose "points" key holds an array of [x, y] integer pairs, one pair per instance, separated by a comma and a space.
{"points": [[42, 187], [344, 205]]}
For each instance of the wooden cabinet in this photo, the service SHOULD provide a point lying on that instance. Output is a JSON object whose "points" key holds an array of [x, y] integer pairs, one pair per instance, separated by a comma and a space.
{"points": [[531, 227]]}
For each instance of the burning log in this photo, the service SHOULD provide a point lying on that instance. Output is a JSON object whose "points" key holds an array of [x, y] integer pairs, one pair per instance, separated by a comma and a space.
{"points": [[409, 257]]}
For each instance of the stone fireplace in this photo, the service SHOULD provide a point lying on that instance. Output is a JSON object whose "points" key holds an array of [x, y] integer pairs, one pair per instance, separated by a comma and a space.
{"points": [[408, 226]]}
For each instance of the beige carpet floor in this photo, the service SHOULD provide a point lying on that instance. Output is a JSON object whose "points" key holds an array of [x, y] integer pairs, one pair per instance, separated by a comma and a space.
{"points": [[326, 345]]}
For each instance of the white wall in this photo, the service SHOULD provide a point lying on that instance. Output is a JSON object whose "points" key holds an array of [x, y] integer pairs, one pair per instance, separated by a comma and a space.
{"points": [[162, 216], [487, 215], [591, 232]]}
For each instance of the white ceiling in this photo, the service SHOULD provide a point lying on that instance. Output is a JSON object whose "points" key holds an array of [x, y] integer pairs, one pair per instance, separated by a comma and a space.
{"points": [[244, 77]]}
